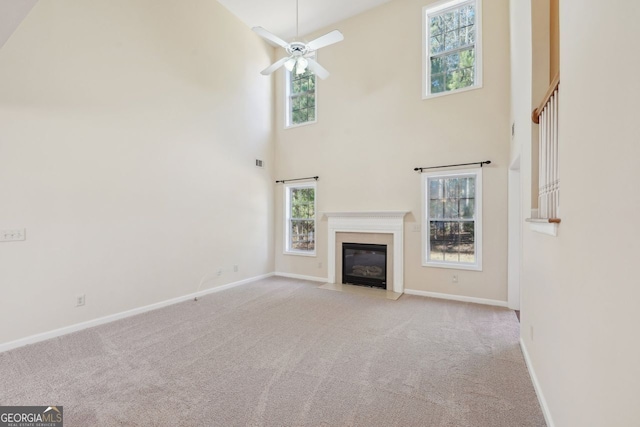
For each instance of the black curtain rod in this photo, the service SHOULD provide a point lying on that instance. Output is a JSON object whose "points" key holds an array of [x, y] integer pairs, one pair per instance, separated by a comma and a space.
{"points": [[486, 162], [283, 181]]}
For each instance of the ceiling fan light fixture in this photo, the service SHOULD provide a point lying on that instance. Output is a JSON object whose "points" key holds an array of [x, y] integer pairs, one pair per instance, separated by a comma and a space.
{"points": [[290, 64], [301, 65], [297, 51]]}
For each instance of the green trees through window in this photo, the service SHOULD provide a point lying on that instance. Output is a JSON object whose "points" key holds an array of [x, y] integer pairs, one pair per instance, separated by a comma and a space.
{"points": [[301, 218], [453, 219], [451, 46], [302, 97]]}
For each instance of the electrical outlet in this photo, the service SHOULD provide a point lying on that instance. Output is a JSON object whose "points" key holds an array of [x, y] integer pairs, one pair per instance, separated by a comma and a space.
{"points": [[416, 228], [220, 272], [80, 300], [454, 279], [531, 332], [16, 235], [319, 264], [235, 268]]}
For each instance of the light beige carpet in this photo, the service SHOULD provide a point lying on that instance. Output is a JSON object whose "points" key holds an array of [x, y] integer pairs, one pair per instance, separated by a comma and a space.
{"points": [[281, 352], [362, 290]]}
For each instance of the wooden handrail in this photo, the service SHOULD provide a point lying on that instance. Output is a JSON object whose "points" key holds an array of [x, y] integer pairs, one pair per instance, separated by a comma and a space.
{"points": [[535, 116]]}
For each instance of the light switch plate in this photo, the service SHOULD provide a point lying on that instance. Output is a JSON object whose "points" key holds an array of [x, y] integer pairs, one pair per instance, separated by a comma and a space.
{"points": [[13, 235]]}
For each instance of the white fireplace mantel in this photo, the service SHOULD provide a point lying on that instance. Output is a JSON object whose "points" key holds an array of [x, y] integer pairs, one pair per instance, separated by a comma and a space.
{"points": [[391, 222]]}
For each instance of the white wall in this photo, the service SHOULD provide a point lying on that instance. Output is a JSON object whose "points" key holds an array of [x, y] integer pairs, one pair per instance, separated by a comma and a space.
{"points": [[129, 131], [580, 289], [520, 12], [374, 128]]}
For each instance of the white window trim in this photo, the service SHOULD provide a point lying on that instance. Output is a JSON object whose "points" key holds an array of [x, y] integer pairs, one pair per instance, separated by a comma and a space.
{"points": [[426, 63], [426, 229], [287, 100], [287, 213]]}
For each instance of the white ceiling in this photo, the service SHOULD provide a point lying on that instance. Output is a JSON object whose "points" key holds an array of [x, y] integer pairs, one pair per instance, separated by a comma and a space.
{"points": [[12, 12], [279, 16]]}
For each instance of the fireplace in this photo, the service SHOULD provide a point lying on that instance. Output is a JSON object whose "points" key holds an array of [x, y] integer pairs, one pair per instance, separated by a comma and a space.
{"points": [[364, 264], [370, 222]]}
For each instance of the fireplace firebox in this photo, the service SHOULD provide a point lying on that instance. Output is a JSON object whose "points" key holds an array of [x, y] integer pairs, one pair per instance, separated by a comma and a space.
{"points": [[364, 264]]}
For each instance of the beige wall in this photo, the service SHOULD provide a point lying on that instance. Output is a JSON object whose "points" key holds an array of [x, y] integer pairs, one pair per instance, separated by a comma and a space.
{"points": [[374, 128], [128, 134], [580, 290]]}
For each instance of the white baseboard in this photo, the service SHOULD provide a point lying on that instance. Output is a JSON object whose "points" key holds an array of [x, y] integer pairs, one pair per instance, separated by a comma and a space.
{"points": [[301, 277], [456, 298], [536, 386], [113, 317]]}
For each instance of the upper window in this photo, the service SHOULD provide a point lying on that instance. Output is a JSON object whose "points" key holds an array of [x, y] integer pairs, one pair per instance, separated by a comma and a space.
{"points": [[301, 97], [452, 228], [452, 48], [300, 219]]}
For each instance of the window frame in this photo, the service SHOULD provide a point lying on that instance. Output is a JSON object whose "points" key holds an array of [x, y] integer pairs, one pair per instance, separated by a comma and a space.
{"points": [[426, 228], [288, 115], [438, 8], [287, 218]]}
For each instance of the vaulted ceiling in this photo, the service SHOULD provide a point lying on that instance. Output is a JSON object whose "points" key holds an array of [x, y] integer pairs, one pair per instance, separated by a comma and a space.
{"points": [[279, 16], [12, 12]]}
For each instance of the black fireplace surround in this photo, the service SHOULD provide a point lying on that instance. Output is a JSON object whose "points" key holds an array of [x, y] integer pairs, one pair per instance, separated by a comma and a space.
{"points": [[364, 264]]}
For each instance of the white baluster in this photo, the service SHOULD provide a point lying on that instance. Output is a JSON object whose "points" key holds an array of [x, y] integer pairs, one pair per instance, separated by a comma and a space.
{"points": [[557, 161], [548, 167]]}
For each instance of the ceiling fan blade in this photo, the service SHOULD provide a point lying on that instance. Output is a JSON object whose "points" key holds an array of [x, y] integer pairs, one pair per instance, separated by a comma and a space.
{"points": [[334, 36], [269, 36], [318, 69], [271, 68]]}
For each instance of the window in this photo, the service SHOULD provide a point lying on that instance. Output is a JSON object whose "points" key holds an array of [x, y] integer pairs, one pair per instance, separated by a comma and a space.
{"points": [[452, 228], [300, 223], [452, 47], [301, 97]]}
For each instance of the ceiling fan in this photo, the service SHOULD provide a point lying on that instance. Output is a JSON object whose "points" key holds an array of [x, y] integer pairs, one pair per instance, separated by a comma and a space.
{"points": [[300, 53]]}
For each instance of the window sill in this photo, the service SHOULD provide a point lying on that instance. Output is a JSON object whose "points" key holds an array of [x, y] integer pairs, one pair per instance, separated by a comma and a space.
{"points": [[300, 253], [548, 226], [300, 124], [452, 266], [451, 92]]}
